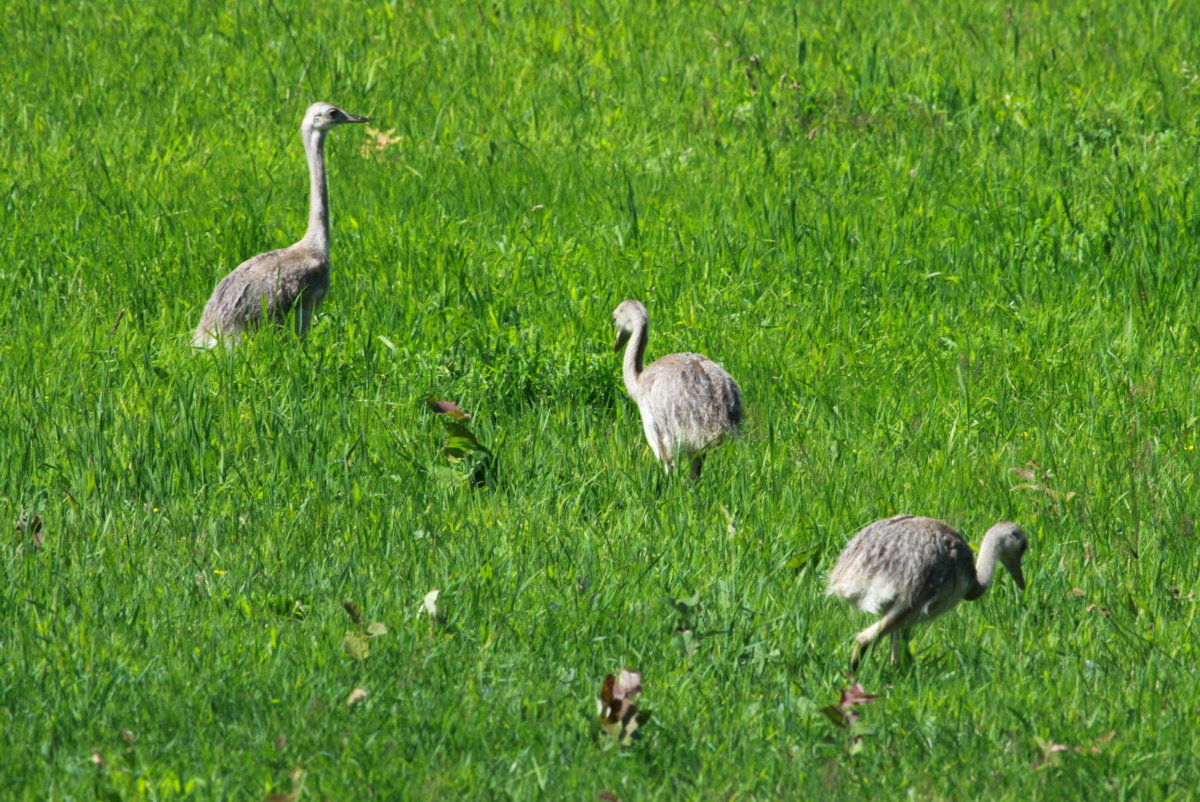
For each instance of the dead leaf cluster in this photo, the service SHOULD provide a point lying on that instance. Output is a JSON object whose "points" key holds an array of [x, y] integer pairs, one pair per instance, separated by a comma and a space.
{"points": [[1051, 751], [357, 643], [843, 714], [619, 716], [377, 141], [460, 445], [1034, 478], [29, 526]]}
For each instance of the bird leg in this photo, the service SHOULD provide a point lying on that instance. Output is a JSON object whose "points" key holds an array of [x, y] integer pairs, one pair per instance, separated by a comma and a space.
{"points": [[900, 645], [303, 317], [883, 626]]}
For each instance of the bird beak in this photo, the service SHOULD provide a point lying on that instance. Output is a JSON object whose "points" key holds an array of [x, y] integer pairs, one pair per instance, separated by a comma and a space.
{"points": [[354, 118], [1018, 576], [622, 338]]}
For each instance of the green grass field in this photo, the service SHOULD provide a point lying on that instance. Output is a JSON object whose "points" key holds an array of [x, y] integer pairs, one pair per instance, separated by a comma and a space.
{"points": [[934, 242]]}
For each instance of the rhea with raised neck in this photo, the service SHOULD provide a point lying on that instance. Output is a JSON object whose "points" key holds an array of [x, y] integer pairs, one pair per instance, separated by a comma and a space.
{"points": [[687, 402], [290, 280]]}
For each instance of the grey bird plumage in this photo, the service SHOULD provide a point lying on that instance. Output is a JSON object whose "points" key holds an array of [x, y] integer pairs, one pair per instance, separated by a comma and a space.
{"points": [[909, 570], [687, 402], [276, 283]]}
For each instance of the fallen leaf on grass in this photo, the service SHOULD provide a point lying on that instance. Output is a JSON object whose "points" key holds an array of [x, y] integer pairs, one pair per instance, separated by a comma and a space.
{"points": [[855, 696], [30, 526], [377, 140], [429, 603], [355, 643], [356, 646], [843, 714], [688, 609], [619, 716], [461, 446], [356, 696], [1032, 481], [460, 441], [297, 784], [685, 636], [1051, 750], [446, 408], [354, 611]]}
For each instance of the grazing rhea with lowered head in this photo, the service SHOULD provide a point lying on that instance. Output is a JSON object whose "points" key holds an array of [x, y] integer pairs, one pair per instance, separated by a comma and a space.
{"points": [[910, 570], [279, 282], [687, 401]]}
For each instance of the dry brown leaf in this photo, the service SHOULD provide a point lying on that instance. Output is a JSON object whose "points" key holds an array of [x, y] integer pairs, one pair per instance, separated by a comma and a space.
{"points": [[843, 714], [856, 695], [356, 696], [377, 140], [446, 408], [354, 611], [1050, 750], [30, 525], [627, 686], [1032, 482], [619, 716]]}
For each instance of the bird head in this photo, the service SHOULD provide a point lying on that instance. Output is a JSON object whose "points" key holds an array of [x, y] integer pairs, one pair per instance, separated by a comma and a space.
{"points": [[323, 116], [626, 317], [1010, 548]]}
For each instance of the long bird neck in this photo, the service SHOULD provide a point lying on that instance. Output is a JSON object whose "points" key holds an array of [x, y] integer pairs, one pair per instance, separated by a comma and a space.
{"points": [[985, 568], [317, 235], [635, 349]]}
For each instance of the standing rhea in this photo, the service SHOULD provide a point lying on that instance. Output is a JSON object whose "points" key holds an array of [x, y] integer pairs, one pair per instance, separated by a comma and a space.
{"points": [[276, 282], [687, 401], [910, 570]]}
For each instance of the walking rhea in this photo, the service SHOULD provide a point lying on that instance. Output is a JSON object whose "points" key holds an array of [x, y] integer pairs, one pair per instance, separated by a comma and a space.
{"points": [[910, 570]]}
